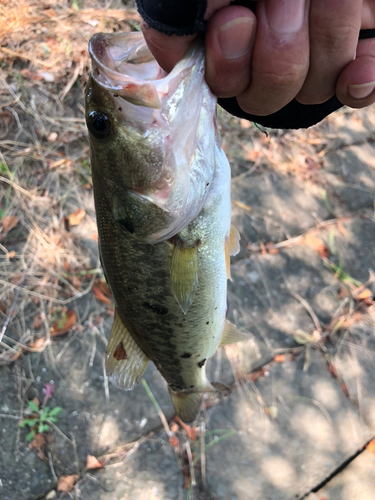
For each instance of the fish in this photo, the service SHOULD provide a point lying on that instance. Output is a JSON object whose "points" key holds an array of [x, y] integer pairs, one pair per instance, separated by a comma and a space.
{"points": [[161, 185]]}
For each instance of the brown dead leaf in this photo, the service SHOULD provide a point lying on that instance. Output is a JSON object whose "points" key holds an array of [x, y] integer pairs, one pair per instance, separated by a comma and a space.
{"points": [[99, 295], [93, 463], [366, 294], [174, 441], [38, 344], [316, 244], [270, 247], [250, 154], [255, 375], [76, 217], [66, 483], [371, 446], [39, 443], [191, 432], [64, 323], [342, 229], [279, 358], [262, 248], [355, 318], [9, 222]]}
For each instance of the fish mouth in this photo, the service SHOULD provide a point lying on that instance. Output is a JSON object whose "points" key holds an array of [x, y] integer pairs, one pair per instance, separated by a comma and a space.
{"points": [[123, 64]]}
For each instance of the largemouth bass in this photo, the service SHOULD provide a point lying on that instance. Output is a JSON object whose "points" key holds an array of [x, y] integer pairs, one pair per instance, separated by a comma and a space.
{"points": [[162, 197]]}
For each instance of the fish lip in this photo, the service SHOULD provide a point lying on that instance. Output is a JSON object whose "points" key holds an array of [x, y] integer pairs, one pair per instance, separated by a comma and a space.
{"points": [[134, 90], [123, 65]]}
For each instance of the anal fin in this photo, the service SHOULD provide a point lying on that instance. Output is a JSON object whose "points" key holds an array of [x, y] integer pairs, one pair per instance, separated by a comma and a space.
{"points": [[231, 334], [184, 275], [125, 361]]}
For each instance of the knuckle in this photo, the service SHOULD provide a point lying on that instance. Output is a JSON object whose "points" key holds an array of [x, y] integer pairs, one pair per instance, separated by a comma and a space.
{"points": [[334, 40], [285, 77]]}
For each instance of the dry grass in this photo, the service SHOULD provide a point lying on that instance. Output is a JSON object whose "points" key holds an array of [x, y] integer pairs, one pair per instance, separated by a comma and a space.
{"points": [[44, 169]]}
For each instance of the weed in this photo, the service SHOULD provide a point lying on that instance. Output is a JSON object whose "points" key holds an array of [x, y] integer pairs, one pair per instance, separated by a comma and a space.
{"points": [[340, 274], [39, 420]]}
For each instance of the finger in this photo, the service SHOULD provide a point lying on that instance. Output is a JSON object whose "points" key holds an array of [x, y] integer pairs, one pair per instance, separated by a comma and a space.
{"points": [[229, 42], [280, 56], [334, 29], [356, 84], [167, 50], [368, 15]]}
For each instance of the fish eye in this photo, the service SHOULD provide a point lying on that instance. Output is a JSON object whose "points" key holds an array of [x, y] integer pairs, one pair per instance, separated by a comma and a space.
{"points": [[99, 124]]}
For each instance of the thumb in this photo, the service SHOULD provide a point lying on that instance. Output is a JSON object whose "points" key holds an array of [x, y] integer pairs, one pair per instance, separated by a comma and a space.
{"points": [[167, 50]]}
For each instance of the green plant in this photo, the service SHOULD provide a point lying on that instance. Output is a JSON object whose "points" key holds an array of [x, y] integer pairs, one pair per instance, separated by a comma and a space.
{"points": [[39, 420]]}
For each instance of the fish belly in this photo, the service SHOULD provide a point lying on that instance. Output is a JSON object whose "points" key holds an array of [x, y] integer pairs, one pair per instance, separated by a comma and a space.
{"points": [[139, 275]]}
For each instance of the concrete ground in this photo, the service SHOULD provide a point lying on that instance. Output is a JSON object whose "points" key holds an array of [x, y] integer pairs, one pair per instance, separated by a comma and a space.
{"points": [[301, 410]]}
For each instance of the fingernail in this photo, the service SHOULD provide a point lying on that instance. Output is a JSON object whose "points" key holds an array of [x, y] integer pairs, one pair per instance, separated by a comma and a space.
{"points": [[361, 91], [285, 16], [235, 37]]}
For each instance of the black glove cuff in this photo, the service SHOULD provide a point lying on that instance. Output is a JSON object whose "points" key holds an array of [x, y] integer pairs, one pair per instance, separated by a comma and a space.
{"points": [[174, 17]]}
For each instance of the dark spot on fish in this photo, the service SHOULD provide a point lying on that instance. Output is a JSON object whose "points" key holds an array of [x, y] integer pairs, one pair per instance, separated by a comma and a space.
{"points": [[156, 308], [201, 363], [127, 224], [176, 387], [179, 324], [186, 355], [207, 184], [120, 109], [191, 387], [215, 308], [178, 242], [207, 322], [170, 330], [120, 353]]}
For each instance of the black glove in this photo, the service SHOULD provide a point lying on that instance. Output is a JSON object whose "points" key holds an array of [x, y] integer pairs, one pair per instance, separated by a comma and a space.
{"points": [[186, 17]]}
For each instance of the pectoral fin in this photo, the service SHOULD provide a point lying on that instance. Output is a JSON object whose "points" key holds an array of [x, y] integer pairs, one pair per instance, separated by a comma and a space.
{"points": [[232, 247], [125, 361], [231, 334], [184, 275]]}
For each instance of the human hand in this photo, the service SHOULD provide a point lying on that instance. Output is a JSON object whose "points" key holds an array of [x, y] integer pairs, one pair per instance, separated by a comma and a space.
{"points": [[292, 49]]}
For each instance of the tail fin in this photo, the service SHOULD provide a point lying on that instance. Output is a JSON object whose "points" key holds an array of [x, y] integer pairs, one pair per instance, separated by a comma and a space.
{"points": [[186, 404]]}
